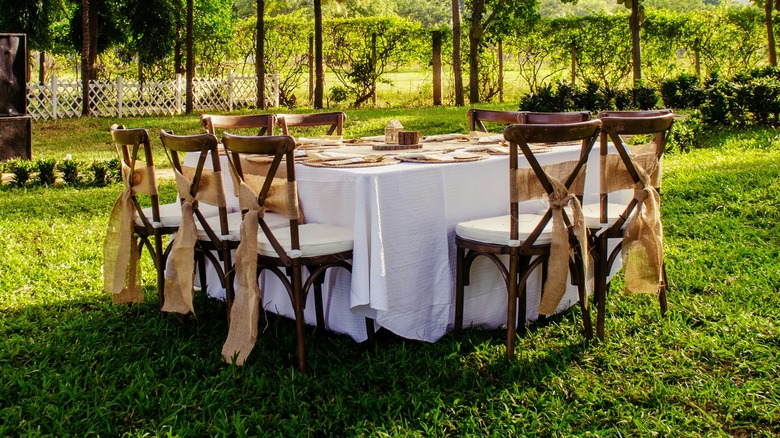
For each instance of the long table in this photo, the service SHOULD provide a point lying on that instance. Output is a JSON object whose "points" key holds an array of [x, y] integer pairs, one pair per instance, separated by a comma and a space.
{"points": [[404, 217]]}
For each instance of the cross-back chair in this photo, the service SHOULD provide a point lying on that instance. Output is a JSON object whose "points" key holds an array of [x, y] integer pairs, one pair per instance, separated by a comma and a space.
{"points": [[136, 225], [215, 124], [478, 117], [534, 239], [285, 251], [544, 118], [635, 224], [334, 121], [200, 237]]}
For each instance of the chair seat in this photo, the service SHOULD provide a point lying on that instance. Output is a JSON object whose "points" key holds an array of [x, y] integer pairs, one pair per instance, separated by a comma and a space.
{"points": [[315, 240], [592, 214], [495, 230], [170, 214], [273, 220]]}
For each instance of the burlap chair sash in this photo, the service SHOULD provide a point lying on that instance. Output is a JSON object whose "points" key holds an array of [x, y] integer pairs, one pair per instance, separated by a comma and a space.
{"points": [[615, 176], [282, 197], [525, 186], [242, 333], [181, 265], [121, 267], [642, 251]]}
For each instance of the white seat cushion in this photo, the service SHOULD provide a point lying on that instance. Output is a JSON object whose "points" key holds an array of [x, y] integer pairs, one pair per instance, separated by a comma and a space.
{"points": [[592, 214], [496, 229], [315, 240], [234, 224], [170, 214]]}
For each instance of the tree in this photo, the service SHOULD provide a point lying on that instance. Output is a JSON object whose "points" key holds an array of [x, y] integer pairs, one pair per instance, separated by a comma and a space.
{"points": [[33, 18], [456, 58], [319, 83], [85, 48], [260, 54], [190, 58], [152, 33], [634, 21], [485, 14], [769, 6]]}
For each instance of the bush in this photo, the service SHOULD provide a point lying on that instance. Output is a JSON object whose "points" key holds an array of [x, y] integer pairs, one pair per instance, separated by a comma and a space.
{"points": [[70, 171], [686, 134], [540, 101], [21, 170], [46, 171], [644, 98], [684, 91], [101, 173]]}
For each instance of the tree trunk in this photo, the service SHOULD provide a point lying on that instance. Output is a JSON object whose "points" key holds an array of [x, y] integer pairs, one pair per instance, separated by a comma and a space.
{"points": [[311, 69], [93, 38], [436, 67], [500, 71], [573, 64], [319, 86], [456, 58], [474, 41], [260, 54], [85, 38], [373, 68], [770, 34], [636, 58], [41, 67], [190, 61], [177, 55]]}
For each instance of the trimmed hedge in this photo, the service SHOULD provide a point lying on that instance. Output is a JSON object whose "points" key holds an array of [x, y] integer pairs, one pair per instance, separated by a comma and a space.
{"points": [[60, 173]]}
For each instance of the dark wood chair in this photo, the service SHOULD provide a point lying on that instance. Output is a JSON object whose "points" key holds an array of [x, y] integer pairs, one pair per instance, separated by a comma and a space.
{"points": [[284, 252], [213, 237], [334, 121], [478, 117], [634, 169], [534, 239], [539, 118], [156, 221], [262, 123]]}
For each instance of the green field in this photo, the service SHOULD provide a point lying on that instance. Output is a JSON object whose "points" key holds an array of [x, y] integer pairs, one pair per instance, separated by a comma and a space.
{"points": [[72, 364]]}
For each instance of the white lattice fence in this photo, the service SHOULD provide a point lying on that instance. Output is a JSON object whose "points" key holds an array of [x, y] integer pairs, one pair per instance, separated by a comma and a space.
{"points": [[58, 98]]}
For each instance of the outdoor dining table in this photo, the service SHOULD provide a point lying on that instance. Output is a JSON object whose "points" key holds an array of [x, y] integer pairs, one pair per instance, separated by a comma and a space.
{"points": [[403, 268]]}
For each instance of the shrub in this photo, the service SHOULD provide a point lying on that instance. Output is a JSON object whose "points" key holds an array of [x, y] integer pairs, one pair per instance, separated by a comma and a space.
{"points": [[46, 168], [21, 170], [684, 91], [100, 173], [644, 97], [686, 134], [589, 98], [70, 171], [541, 101]]}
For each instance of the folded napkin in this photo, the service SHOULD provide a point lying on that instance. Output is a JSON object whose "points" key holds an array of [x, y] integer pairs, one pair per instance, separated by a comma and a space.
{"points": [[333, 158], [440, 156], [489, 148], [445, 137], [325, 140]]}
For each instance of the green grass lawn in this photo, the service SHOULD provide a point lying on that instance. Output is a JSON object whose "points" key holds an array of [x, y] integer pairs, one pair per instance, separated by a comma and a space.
{"points": [[72, 364]]}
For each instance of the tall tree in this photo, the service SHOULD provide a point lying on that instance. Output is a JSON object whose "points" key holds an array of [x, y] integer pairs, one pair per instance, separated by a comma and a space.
{"points": [[260, 54], [485, 14], [319, 81], [85, 69], [634, 21], [190, 59], [152, 33], [456, 58], [769, 7], [33, 18]]}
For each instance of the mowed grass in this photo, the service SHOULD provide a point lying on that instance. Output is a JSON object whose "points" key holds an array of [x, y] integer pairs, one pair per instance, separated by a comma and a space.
{"points": [[72, 364]]}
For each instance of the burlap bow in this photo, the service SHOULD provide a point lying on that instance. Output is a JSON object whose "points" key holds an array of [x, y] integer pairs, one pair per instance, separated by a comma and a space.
{"points": [[558, 261], [642, 251], [121, 267], [242, 333]]}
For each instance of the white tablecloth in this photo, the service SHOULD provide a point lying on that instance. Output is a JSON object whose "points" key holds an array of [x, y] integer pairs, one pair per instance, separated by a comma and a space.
{"points": [[404, 218]]}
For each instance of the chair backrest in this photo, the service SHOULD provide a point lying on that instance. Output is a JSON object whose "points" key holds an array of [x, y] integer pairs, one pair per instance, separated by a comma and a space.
{"points": [[271, 191], [263, 123], [537, 118], [625, 169], [644, 113], [204, 184], [334, 121], [477, 117], [135, 152], [539, 181]]}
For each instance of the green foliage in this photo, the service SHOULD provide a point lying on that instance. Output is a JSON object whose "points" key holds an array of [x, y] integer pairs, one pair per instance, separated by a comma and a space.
{"points": [[744, 101], [591, 97], [70, 171], [46, 168], [687, 134], [21, 169], [684, 91]]}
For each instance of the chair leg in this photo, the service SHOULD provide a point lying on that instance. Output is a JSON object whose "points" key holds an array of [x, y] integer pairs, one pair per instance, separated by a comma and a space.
{"points": [[600, 286], [300, 324], [511, 315], [522, 296], [662, 291], [459, 286], [230, 293], [158, 264], [318, 307], [587, 324], [371, 334]]}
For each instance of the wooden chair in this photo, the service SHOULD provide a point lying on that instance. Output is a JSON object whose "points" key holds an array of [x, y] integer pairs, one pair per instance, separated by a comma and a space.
{"points": [[644, 113], [537, 118], [635, 169], [477, 117], [533, 239], [334, 121], [153, 222], [285, 251], [264, 123]]}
